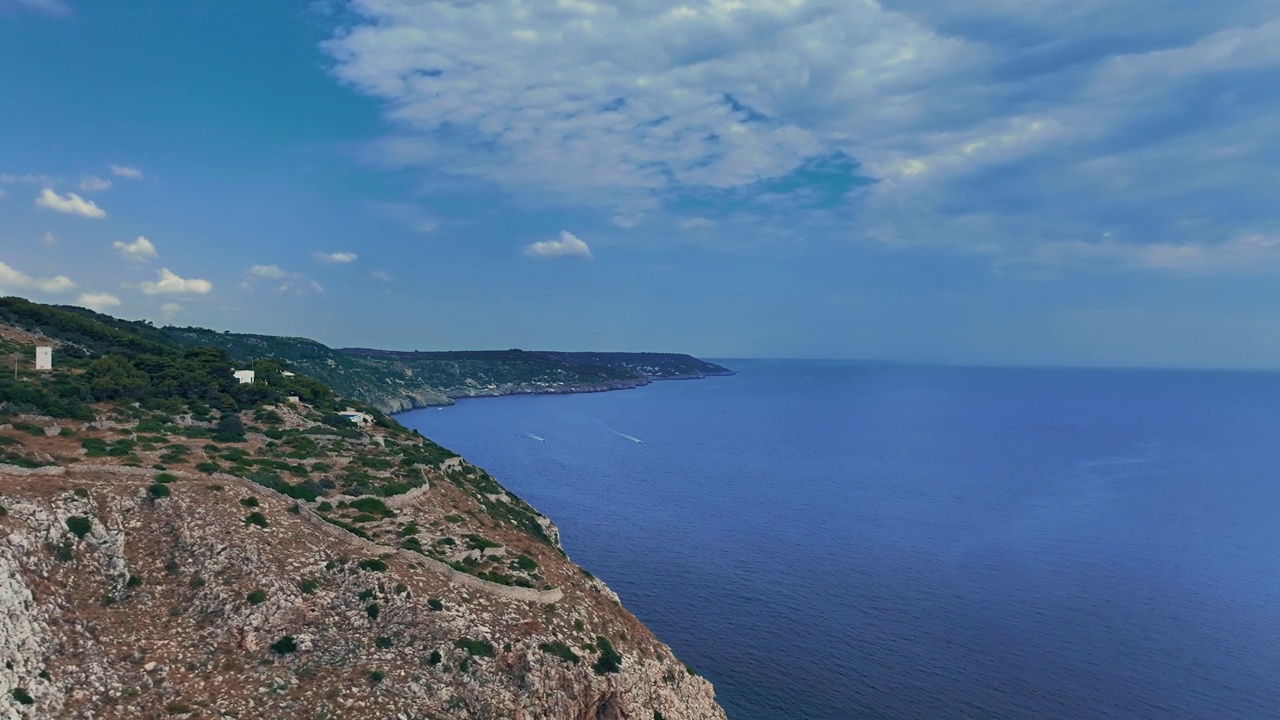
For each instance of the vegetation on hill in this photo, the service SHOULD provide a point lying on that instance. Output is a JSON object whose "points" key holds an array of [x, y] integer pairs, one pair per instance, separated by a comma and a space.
{"points": [[383, 385], [394, 380], [218, 538]]}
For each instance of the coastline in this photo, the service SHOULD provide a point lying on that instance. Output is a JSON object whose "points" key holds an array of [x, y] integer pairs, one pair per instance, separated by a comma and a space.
{"points": [[409, 403]]}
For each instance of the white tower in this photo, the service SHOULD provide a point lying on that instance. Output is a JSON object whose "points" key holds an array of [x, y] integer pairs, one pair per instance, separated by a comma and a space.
{"points": [[44, 358]]}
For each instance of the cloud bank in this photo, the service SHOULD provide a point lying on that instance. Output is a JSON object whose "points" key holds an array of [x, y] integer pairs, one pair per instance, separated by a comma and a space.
{"points": [[1007, 130]]}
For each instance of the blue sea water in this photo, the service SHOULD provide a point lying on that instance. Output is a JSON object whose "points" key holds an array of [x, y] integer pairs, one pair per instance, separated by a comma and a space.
{"points": [[826, 542]]}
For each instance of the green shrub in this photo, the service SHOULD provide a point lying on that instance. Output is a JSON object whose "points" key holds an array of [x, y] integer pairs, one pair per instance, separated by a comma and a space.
{"points": [[22, 696], [476, 648], [208, 467], [79, 525], [373, 564], [325, 506], [373, 506], [435, 658], [456, 519], [560, 650], [256, 596], [133, 581], [579, 625], [196, 583], [382, 643], [166, 478], [373, 611], [435, 604], [609, 661], [526, 563], [250, 502], [309, 586], [256, 518], [159, 490], [81, 493], [284, 645], [377, 676]]}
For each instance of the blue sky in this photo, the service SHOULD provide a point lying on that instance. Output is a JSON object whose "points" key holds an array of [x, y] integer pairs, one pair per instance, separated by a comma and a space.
{"points": [[1033, 182]]}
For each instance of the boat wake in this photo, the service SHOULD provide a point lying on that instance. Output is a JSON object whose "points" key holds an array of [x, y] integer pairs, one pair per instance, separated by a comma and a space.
{"points": [[632, 438], [531, 436]]}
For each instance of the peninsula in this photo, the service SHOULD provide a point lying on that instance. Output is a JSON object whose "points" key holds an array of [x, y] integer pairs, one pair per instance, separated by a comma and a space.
{"points": [[394, 381]]}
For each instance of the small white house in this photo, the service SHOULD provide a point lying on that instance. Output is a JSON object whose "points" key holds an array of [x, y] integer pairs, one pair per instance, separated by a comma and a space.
{"points": [[286, 373], [244, 376], [44, 358], [357, 417]]}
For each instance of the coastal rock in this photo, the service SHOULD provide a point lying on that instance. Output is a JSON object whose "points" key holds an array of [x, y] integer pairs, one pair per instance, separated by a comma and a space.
{"points": [[176, 606]]}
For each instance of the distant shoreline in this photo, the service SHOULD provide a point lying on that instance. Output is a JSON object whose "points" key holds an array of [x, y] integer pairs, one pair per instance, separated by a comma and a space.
{"points": [[610, 386]]}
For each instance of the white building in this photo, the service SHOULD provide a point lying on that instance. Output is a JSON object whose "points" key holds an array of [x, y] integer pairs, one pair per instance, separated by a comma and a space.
{"points": [[44, 358], [357, 417], [244, 376], [286, 373]]}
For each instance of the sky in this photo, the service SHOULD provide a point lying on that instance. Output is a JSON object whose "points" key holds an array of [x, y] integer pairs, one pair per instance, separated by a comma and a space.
{"points": [[1044, 182]]}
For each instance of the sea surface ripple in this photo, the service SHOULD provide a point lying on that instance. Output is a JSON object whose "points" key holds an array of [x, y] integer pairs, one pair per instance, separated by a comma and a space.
{"points": [[828, 541]]}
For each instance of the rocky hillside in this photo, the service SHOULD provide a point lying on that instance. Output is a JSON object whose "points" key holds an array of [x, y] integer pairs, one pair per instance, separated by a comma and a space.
{"points": [[174, 546]]}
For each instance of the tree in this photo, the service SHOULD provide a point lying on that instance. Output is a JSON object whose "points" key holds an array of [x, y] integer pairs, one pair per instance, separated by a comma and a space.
{"points": [[115, 378]]}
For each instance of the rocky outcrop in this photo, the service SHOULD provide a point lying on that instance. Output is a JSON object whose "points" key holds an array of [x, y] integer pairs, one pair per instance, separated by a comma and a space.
{"points": [[118, 604]]}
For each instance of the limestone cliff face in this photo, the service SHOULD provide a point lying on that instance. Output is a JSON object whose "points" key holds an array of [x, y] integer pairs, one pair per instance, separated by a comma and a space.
{"points": [[221, 598]]}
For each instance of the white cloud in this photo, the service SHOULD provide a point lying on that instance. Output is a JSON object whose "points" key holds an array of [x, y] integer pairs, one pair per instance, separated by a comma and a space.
{"points": [[98, 301], [695, 222], [170, 309], [13, 279], [56, 8], [1242, 255], [49, 238], [293, 282], [140, 250], [170, 284], [126, 172], [93, 183], [992, 127], [381, 276], [337, 257], [616, 102], [269, 272], [569, 245], [71, 204], [428, 226], [25, 179]]}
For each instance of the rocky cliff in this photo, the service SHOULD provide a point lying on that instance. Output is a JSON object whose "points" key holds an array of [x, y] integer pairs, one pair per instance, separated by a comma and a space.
{"points": [[209, 590]]}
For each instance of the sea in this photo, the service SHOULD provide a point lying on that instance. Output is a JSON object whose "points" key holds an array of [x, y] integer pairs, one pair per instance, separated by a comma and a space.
{"points": [[827, 541]]}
